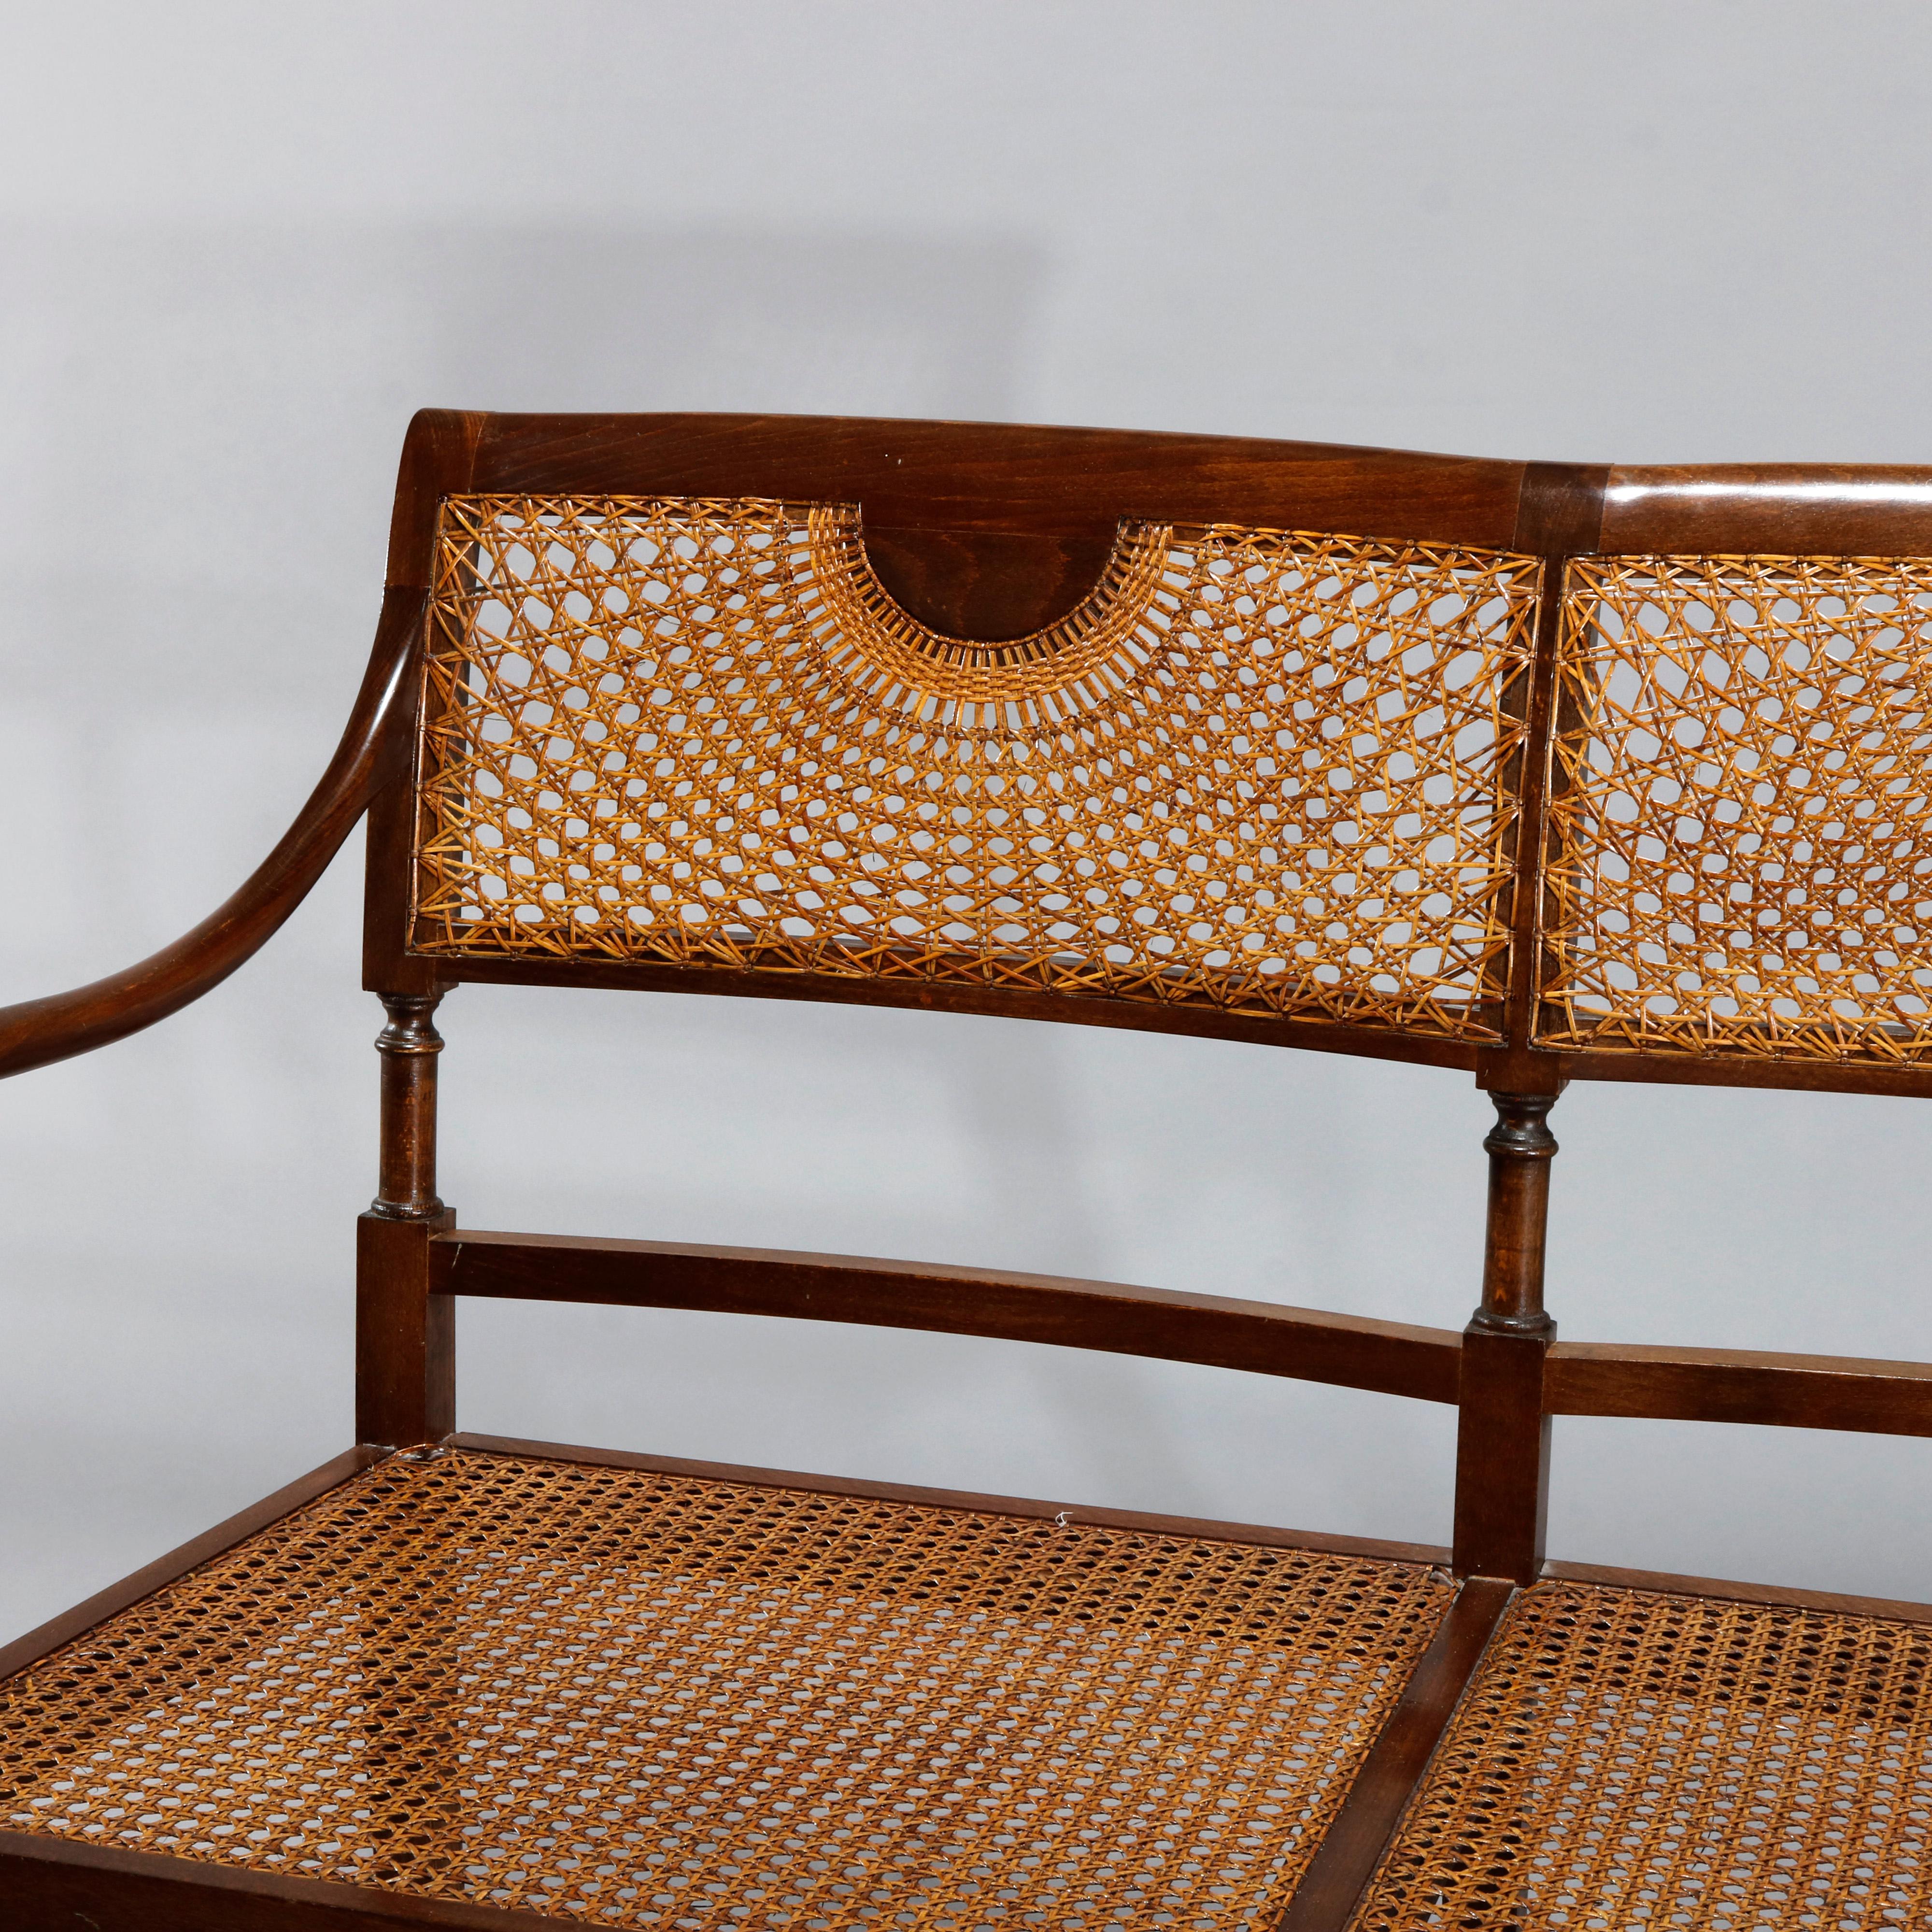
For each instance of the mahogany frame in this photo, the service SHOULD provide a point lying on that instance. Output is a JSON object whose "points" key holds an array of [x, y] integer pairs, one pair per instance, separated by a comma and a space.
{"points": [[992, 531]]}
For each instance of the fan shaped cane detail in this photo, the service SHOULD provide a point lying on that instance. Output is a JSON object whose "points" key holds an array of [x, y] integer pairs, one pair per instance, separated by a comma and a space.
{"points": [[1257, 769]]}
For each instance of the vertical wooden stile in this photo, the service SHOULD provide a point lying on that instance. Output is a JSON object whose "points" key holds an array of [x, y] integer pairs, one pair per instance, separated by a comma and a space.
{"points": [[1503, 1436], [405, 1334], [1502, 1442]]}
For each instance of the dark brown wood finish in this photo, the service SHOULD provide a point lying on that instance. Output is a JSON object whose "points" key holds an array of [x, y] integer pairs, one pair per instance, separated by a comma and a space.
{"points": [[1778, 509], [1071, 485], [1353, 1846], [410, 1045], [1502, 1458], [388, 879], [1030, 1507], [991, 586], [1353, 1351], [986, 530], [48, 1637], [1190, 1020], [439, 460], [1686, 1069], [1502, 1441], [58, 1885], [1733, 1385], [1558, 512], [373, 749], [405, 1334], [1559, 509], [1777, 1596], [389, 888], [1520, 1147]]}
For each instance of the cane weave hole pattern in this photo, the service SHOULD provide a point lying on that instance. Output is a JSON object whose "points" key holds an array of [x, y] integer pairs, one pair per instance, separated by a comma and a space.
{"points": [[649, 1700], [1740, 820], [1254, 770], [1626, 1759]]}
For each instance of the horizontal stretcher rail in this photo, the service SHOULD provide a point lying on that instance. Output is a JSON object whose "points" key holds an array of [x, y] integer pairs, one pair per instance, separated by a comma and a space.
{"points": [[1352, 1351], [1733, 1385]]}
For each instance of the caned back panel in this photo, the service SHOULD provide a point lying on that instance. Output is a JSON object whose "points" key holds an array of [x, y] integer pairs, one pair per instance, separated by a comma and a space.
{"points": [[1256, 770], [1261, 777], [1739, 858]]}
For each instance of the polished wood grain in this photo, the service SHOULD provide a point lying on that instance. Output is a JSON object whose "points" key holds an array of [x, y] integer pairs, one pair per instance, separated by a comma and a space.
{"points": [[405, 1334], [409, 1046], [989, 585], [48, 1637], [1520, 1070], [1559, 510], [1352, 1351], [1353, 1846], [995, 478], [439, 460], [1735, 1385], [1785, 509], [1190, 1020], [35, 1033], [1032, 1508], [1503, 1432], [1521, 1148], [1503, 1439], [388, 882], [57, 1885], [1559, 514], [1685, 1069]]}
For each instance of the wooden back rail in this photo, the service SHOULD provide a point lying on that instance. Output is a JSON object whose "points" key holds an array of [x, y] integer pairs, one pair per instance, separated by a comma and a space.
{"points": [[979, 541]]}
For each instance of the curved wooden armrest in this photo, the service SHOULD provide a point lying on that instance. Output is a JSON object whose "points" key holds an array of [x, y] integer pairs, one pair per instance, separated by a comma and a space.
{"points": [[35, 1033]]}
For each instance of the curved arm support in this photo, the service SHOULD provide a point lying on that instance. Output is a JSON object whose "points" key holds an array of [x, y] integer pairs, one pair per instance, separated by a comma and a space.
{"points": [[35, 1033]]}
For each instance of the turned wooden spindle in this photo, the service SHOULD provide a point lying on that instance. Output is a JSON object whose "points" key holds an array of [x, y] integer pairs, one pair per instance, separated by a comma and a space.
{"points": [[405, 1332], [1502, 1445], [406, 1189], [1520, 1147]]}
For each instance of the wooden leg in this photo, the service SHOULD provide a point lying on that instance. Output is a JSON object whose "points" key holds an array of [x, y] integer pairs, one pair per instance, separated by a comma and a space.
{"points": [[405, 1334], [1502, 1445]]}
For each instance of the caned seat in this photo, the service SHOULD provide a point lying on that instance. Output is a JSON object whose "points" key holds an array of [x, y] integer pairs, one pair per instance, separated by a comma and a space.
{"points": [[1540, 773], [644, 1697]]}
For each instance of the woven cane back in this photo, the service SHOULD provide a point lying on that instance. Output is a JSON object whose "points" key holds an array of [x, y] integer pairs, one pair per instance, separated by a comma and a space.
{"points": [[1740, 861], [1255, 769]]}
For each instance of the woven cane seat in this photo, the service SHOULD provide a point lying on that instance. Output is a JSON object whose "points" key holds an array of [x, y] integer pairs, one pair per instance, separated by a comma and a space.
{"points": [[639, 1699], [1628, 1758]]}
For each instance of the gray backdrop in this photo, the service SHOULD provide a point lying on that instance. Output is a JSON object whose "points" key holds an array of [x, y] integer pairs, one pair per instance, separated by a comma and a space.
{"points": [[241, 244]]}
